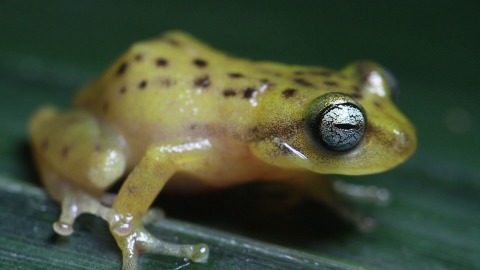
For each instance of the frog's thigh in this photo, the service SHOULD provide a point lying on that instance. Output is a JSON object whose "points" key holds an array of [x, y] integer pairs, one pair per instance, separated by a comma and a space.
{"points": [[78, 148], [77, 155]]}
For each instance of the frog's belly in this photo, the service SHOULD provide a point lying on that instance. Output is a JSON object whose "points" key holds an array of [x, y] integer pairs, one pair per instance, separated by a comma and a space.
{"points": [[183, 183], [228, 173], [220, 172]]}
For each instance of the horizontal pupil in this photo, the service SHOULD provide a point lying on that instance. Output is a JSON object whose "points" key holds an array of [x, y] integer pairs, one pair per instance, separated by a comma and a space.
{"points": [[346, 126]]}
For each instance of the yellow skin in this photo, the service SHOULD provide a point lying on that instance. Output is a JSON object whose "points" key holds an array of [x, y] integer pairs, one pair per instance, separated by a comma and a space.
{"points": [[174, 105]]}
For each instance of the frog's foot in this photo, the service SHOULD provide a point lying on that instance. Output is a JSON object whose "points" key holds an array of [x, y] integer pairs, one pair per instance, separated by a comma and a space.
{"points": [[371, 194], [75, 203], [132, 240], [139, 241]]}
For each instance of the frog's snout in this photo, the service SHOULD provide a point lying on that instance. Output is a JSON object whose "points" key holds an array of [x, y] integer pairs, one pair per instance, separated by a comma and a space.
{"points": [[404, 142]]}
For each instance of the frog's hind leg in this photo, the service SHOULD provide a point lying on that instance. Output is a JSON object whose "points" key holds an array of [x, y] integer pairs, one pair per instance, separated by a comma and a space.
{"points": [[78, 158], [86, 152]]}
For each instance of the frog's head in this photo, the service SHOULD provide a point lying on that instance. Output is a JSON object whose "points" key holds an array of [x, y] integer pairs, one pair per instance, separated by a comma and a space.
{"points": [[343, 131]]}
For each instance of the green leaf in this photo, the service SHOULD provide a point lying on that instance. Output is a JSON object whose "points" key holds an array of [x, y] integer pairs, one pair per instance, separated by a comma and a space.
{"points": [[50, 48]]}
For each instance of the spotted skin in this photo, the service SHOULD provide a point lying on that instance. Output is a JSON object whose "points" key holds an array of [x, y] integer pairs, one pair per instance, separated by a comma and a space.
{"points": [[173, 104]]}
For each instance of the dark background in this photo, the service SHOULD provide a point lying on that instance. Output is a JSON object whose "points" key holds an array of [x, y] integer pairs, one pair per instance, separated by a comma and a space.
{"points": [[50, 48]]}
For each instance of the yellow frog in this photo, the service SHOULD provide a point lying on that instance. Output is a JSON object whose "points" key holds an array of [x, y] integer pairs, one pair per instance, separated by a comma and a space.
{"points": [[174, 108]]}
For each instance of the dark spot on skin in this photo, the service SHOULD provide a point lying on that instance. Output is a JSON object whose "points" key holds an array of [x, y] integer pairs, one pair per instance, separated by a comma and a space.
{"points": [[299, 72], [131, 189], [270, 72], [325, 73], [378, 105], [200, 63], [303, 82], [161, 62], [193, 126], [105, 106], [97, 147], [253, 130], [122, 68], [172, 41], [138, 57], [142, 85], [203, 81], [267, 82], [356, 88], [235, 75], [248, 92], [288, 93], [123, 90], [229, 93], [264, 81], [44, 144], [331, 83], [65, 151], [166, 82]]}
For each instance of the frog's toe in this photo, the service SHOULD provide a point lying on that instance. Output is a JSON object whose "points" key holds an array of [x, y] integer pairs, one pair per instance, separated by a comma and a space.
{"points": [[150, 244], [200, 253], [75, 203], [63, 228], [71, 209]]}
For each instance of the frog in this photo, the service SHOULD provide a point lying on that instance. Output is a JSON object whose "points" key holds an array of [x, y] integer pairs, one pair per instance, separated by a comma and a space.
{"points": [[174, 110]]}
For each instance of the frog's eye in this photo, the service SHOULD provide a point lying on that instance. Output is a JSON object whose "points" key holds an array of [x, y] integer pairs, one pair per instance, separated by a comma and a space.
{"points": [[341, 126], [337, 122]]}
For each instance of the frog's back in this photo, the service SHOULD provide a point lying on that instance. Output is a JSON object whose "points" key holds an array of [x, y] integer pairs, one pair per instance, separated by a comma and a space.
{"points": [[176, 87], [171, 84]]}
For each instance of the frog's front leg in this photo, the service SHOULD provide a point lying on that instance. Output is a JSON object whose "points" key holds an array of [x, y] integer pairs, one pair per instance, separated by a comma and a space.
{"points": [[141, 187], [332, 193]]}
